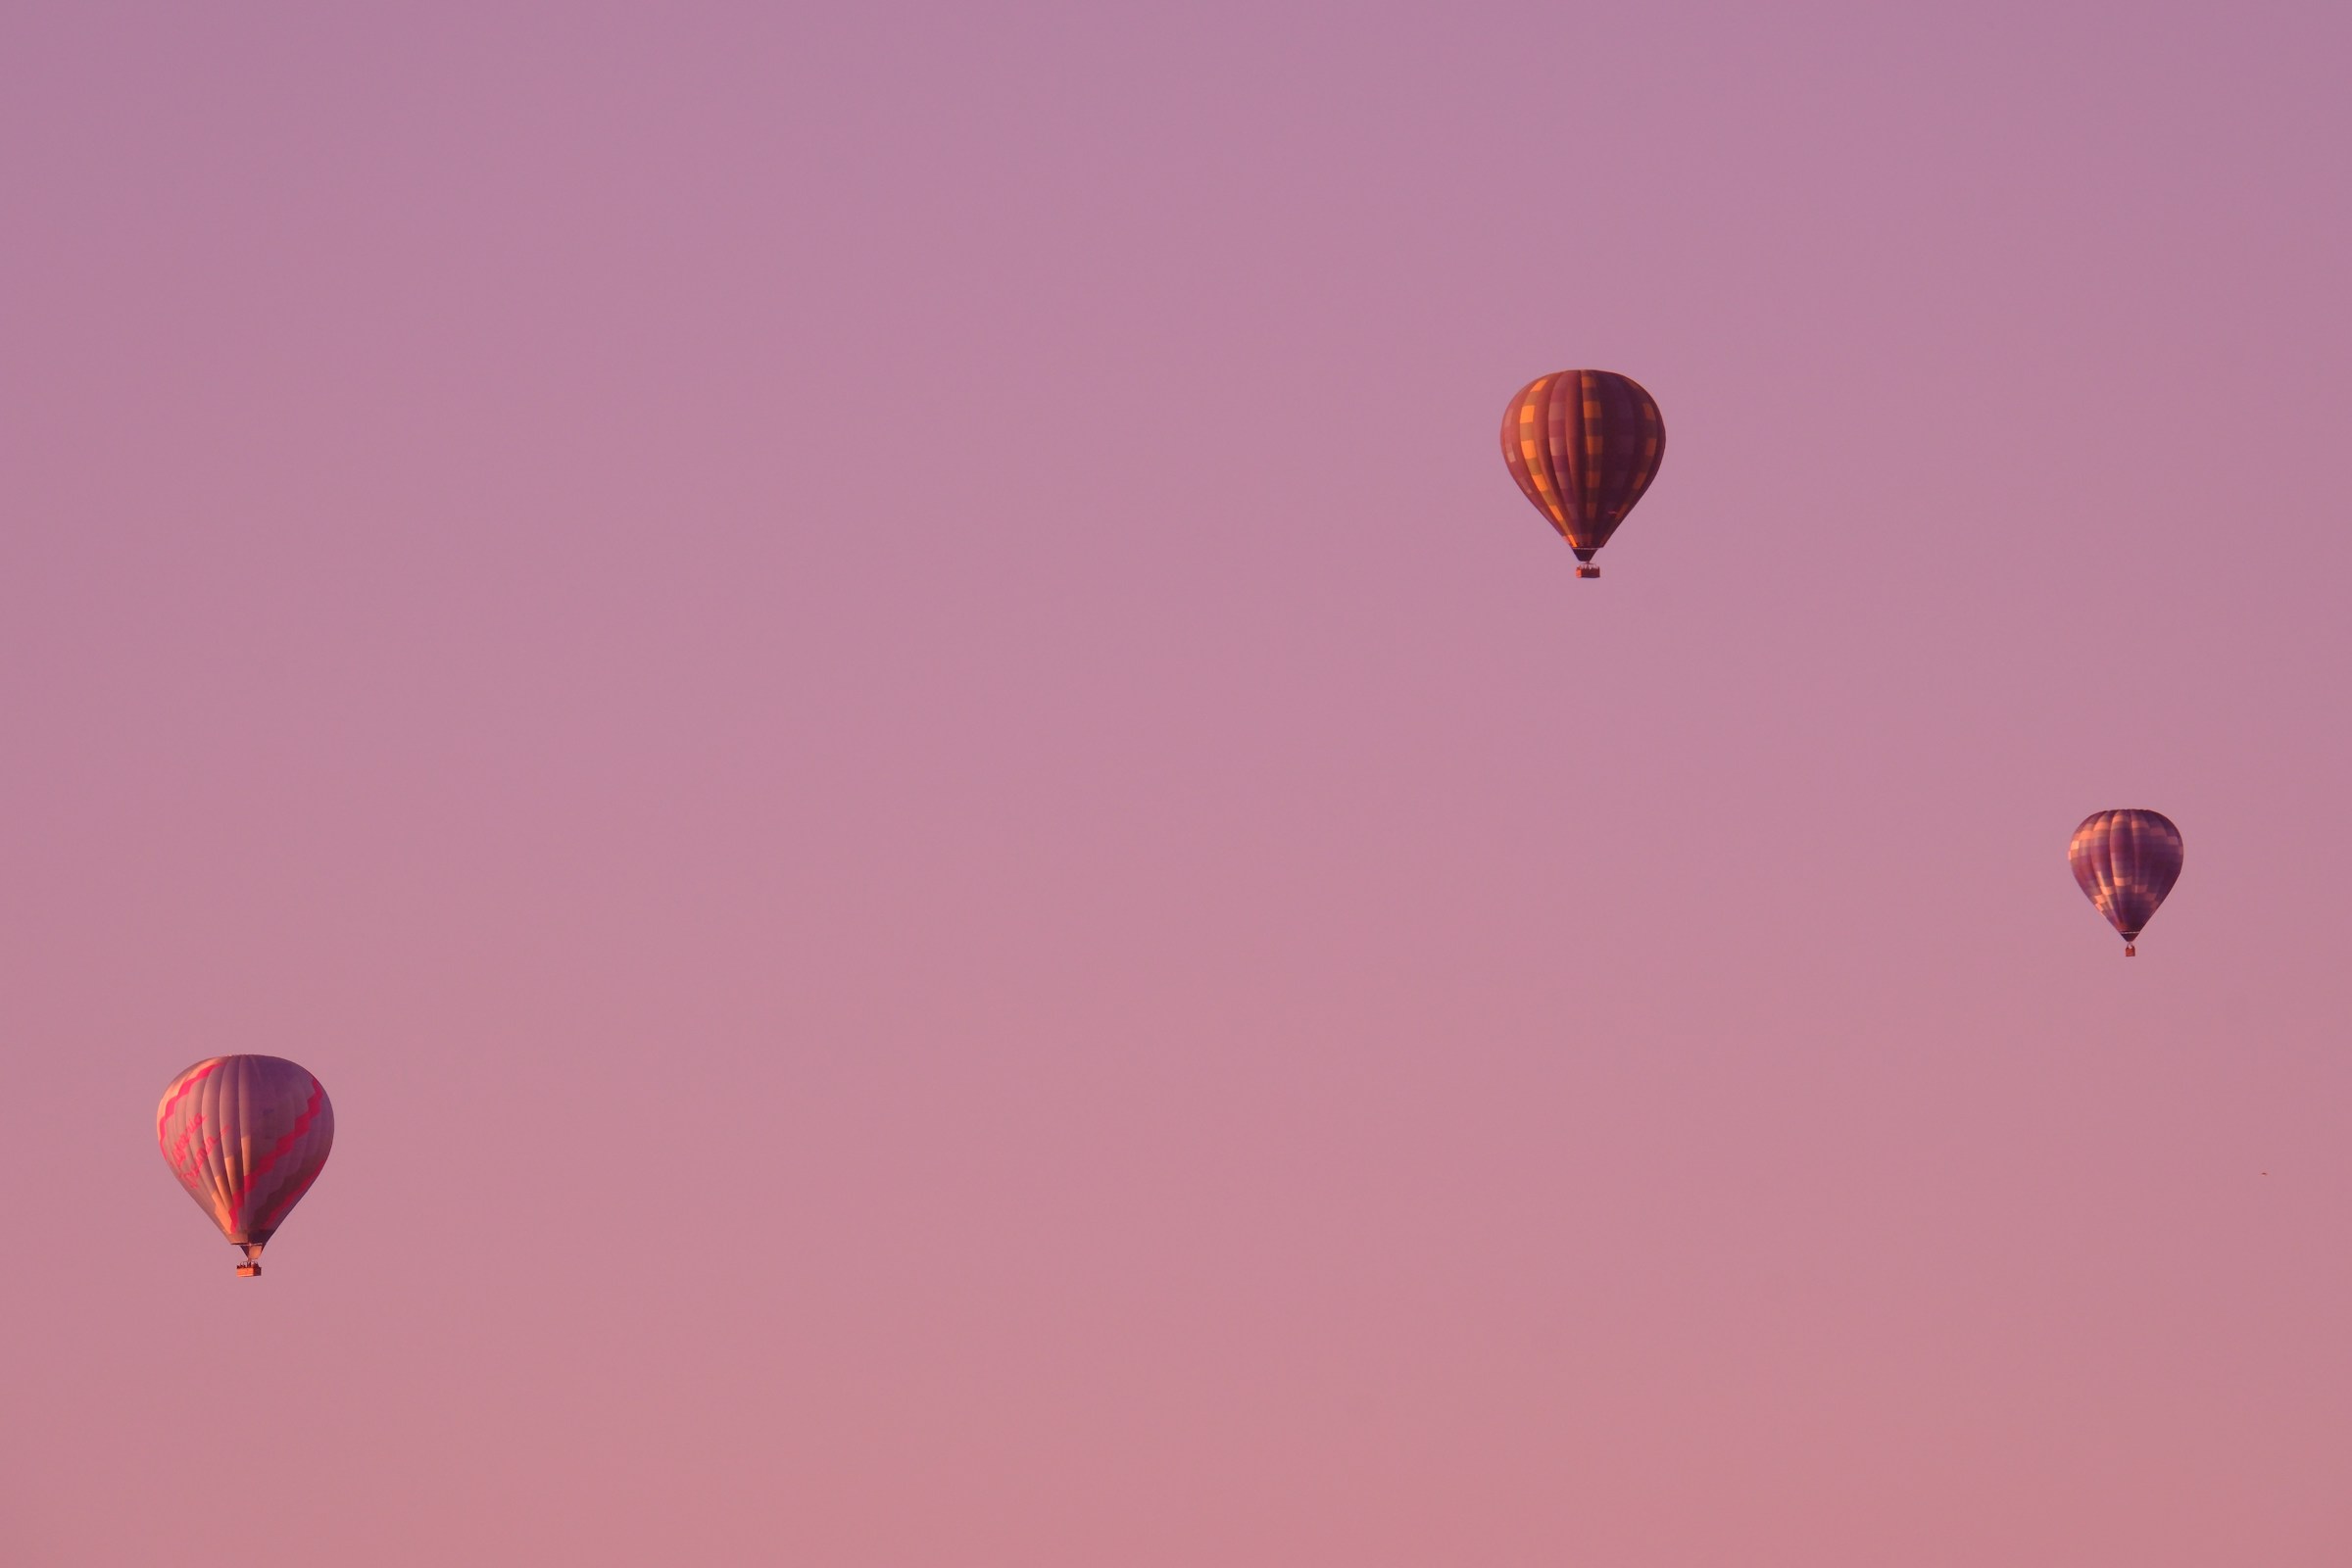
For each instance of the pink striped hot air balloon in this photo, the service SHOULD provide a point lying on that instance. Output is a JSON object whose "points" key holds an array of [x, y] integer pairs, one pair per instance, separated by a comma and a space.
{"points": [[246, 1135]]}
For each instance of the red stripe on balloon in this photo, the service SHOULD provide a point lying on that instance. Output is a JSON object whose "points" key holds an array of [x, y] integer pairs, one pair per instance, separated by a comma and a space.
{"points": [[302, 1124], [178, 1090], [277, 1210]]}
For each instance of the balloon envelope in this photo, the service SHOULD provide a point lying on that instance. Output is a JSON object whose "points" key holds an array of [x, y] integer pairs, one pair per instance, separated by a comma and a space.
{"points": [[2125, 862], [1583, 446], [246, 1135]]}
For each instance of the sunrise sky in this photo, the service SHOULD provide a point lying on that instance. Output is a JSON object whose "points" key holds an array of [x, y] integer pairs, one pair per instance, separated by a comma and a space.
{"points": [[976, 893]]}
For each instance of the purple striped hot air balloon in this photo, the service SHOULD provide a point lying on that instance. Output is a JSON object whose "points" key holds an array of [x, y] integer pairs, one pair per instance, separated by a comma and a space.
{"points": [[2125, 862], [246, 1135]]}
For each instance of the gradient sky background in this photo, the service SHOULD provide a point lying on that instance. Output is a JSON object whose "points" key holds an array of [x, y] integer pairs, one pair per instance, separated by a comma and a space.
{"points": [[976, 893]]}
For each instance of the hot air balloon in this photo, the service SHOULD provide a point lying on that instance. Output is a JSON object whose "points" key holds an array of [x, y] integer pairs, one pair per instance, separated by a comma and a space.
{"points": [[2125, 862], [246, 1135], [1584, 445]]}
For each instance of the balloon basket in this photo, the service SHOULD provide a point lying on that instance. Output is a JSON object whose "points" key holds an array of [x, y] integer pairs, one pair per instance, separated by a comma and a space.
{"points": [[248, 1271], [1587, 571]]}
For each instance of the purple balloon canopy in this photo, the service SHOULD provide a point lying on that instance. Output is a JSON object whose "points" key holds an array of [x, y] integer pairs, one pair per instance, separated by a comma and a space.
{"points": [[246, 1135], [2125, 862]]}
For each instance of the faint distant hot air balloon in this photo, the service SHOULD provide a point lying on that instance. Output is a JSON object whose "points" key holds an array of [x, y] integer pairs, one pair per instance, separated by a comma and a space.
{"points": [[246, 1135], [2125, 862], [1584, 445]]}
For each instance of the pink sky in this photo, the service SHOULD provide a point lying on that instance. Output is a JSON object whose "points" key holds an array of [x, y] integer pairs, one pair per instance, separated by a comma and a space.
{"points": [[976, 893]]}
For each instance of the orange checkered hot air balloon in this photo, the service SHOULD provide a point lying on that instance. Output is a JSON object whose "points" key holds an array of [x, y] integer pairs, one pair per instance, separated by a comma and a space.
{"points": [[246, 1135], [1584, 445], [2125, 862]]}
